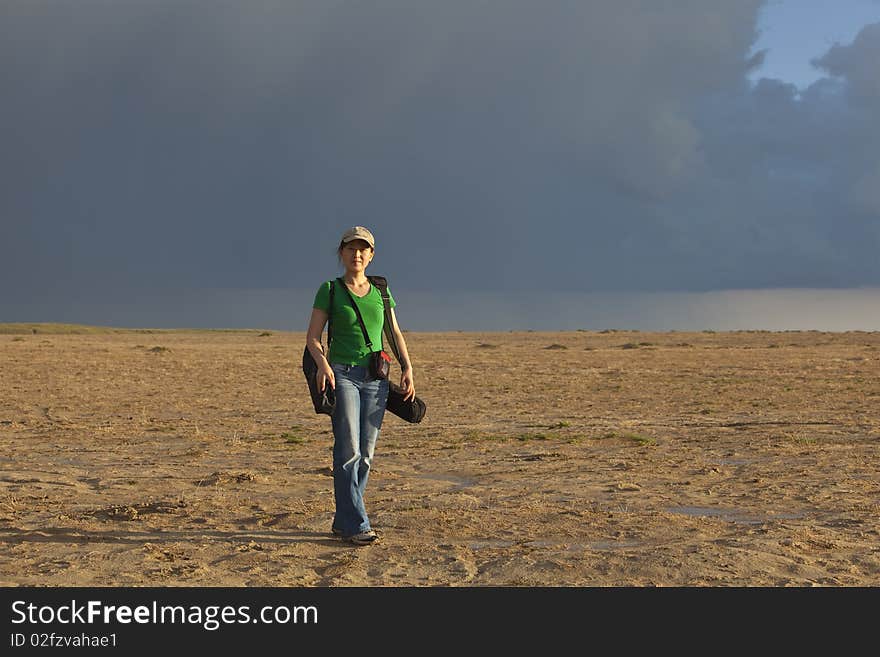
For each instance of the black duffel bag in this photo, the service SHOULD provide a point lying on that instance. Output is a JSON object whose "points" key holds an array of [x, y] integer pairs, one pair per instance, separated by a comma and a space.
{"points": [[325, 401], [411, 410]]}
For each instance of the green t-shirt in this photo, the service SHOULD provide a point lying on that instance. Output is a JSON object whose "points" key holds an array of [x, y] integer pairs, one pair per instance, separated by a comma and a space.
{"points": [[348, 346]]}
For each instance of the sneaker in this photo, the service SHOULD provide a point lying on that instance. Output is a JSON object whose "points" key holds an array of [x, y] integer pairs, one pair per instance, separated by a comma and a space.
{"points": [[335, 531], [364, 538]]}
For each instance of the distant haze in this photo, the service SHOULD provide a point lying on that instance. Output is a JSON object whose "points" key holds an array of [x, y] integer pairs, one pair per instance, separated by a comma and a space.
{"points": [[288, 310]]}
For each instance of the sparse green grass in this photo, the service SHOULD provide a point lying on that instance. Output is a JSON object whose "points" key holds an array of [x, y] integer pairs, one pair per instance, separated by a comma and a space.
{"points": [[635, 437], [523, 437], [293, 436], [641, 440], [474, 435], [802, 440], [578, 438]]}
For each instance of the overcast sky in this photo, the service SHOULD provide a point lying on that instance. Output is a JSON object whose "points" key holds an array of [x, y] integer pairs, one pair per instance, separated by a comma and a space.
{"points": [[499, 146]]}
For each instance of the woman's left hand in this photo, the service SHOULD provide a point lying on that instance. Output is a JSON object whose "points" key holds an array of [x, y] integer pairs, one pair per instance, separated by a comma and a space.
{"points": [[407, 383]]}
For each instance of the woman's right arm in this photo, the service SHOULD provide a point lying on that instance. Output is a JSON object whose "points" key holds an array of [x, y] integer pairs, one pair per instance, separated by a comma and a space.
{"points": [[313, 343]]}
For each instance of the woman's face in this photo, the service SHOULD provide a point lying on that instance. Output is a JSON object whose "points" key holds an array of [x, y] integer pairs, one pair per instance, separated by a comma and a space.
{"points": [[356, 255]]}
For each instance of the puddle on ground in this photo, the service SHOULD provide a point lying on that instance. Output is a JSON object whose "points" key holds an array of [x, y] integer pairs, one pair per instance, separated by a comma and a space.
{"points": [[565, 546], [490, 543], [613, 545], [732, 515], [736, 461]]}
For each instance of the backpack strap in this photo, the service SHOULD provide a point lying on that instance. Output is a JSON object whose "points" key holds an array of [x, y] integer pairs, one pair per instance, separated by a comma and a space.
{"points": [[381, 284], [357, 312], [330, 316]]}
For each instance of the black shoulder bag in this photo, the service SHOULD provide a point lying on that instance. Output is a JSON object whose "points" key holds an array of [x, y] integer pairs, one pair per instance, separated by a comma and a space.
{"points": [[325, 401], [411, 410]]}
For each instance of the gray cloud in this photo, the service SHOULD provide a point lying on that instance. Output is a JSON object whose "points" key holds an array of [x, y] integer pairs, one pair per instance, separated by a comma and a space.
{"points": [[856, 64], [490, 145]]}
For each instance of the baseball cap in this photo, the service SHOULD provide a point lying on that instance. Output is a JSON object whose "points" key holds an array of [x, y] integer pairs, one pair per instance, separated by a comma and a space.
{"points": [[358, 233]]}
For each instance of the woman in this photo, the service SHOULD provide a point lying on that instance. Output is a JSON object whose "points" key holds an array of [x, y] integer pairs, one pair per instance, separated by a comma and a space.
{"points": [[360, 398]]}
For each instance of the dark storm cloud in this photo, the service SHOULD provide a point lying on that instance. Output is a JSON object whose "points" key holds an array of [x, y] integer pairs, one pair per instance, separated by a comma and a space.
{"points": [[495, 144]]}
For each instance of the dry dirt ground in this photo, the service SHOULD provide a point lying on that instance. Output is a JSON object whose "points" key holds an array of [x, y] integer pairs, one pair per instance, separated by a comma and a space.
{"points": [[612, 458]]}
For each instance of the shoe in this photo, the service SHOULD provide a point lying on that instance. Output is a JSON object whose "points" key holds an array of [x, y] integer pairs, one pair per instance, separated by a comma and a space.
{"points": [[335, 531], [364, 538]]}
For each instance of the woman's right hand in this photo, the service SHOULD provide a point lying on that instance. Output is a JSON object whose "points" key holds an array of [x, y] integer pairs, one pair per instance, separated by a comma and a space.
{"points": [[325, 374]]}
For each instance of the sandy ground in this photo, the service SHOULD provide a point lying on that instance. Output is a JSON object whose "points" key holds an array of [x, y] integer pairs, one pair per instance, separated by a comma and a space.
{"points": [[613, 458]]}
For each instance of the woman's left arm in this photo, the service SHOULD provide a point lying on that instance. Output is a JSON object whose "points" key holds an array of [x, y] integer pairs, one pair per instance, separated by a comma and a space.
{"points": [[407, 381]]}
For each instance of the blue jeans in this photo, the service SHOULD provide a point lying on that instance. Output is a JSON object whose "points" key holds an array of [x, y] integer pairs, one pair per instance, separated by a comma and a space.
{"points": [[357, 418]]}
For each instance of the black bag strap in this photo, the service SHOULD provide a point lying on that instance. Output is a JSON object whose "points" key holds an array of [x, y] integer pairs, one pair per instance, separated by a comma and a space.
{"points": [[330, 316], [381, 284], [357, 312]]}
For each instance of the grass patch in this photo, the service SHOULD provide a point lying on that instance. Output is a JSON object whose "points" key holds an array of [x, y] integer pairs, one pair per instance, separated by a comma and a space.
{"points": [[803, 440], [634, 437], [474, 435], [293, 436], [640, 439], [523, 437]]}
